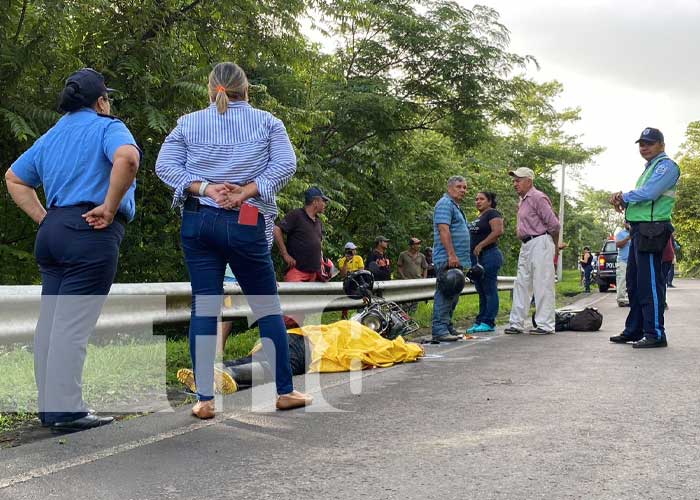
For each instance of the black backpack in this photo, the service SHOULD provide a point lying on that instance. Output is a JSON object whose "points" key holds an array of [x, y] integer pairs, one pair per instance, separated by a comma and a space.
{"points": [[579, 320], [585, 320]]}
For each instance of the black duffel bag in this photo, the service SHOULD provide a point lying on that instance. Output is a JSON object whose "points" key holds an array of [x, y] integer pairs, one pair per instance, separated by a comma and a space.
{"points": [[653, 236], [587, 320], [579, 320]]}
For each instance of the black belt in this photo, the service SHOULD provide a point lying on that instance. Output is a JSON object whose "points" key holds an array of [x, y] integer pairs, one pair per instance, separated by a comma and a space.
{"points": [[525, 239], [192, 204]]}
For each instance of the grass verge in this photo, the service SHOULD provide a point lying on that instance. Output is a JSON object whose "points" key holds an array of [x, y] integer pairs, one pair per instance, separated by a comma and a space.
{"points": [[119, 372]]}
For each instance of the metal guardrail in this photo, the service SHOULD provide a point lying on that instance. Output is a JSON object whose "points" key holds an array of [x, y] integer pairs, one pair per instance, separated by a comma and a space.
{"points": [[145, 304]]}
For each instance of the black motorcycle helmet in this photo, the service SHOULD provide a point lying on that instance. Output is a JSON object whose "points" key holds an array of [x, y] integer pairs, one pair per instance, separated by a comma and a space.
{"points": [[451, 282], [475, 272], [358, 285]]}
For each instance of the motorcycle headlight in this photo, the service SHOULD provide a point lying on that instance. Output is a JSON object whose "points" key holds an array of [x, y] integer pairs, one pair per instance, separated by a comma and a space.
{"points": [[374, 321]]}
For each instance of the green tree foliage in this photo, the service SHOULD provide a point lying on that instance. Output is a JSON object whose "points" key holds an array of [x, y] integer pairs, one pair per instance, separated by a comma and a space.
{"points": [[593, 206], [686, 217], [533, 136], [414, 93], [157, 54]]}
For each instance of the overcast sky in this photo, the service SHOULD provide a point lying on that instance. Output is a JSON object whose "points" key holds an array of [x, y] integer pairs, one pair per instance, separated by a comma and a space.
{"points": [[627, 65]]}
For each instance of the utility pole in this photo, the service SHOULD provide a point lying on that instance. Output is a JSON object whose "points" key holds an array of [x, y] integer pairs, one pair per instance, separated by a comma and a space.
{"points": [[560, 272]]}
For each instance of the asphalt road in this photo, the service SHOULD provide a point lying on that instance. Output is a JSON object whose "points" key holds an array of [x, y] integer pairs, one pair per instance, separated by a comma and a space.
{"points": [[518, 417]]}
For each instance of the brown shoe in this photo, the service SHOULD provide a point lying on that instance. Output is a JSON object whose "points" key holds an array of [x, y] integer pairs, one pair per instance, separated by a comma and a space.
{"points": [[204, 409], [294, 399]]}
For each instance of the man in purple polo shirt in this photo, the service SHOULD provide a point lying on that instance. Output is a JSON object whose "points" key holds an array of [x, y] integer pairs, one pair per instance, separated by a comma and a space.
{"points": [[538, 230]]}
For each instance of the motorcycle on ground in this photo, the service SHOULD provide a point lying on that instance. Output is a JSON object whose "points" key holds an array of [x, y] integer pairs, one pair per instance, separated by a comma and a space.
{"points": [[383, 316]]}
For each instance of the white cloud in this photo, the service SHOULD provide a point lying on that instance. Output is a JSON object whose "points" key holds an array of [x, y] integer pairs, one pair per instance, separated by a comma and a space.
{"points": [[639, 45], [627, 64]]}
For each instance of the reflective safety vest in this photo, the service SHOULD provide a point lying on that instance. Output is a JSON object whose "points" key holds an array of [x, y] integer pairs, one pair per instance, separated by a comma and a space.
{"points": [[659, 209]]}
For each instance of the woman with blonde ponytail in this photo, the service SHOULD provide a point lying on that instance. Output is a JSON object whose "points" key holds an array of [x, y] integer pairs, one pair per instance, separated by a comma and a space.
{"points": [[227, 82], [225, 164]]}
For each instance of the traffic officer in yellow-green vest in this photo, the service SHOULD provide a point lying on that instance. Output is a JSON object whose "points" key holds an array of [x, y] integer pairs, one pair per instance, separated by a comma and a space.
{"points": [[648, 209]]}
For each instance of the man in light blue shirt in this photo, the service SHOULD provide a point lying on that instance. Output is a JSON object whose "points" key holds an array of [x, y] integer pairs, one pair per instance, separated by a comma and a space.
{"points": [[450, 250], [648, 208], [622, 242]]}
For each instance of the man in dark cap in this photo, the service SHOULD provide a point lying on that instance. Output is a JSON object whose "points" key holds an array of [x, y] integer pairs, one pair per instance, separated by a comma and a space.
{"points": [[648, 208], [301, 251], [412, 264], [378, 262]]}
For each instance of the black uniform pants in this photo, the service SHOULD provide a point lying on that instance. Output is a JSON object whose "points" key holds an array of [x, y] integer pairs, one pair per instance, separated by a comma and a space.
{"points": [[78, 265], [646, 286]]}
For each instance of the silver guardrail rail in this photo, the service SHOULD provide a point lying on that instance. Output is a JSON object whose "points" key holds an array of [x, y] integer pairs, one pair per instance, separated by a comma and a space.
{"points": [[143, 304]]}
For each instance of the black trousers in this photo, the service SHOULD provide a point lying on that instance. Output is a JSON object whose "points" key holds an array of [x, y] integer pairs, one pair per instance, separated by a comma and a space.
{"points": [[77, 265], [245, 370]]}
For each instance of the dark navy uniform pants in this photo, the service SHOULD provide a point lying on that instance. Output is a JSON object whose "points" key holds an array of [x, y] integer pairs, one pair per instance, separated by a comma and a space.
{"points": [[78, 265], [646, 287]]}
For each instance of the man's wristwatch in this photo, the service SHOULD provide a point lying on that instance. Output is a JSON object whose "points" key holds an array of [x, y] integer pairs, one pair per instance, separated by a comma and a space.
{"points": [[203, 187]]}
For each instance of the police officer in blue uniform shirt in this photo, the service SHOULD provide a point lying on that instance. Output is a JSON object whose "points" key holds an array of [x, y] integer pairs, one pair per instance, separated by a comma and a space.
{"points": [[87, 165], [648, 209]]}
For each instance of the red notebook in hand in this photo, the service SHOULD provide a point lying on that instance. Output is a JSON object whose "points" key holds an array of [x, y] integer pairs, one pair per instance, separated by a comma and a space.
{"points": [[248, 215]]}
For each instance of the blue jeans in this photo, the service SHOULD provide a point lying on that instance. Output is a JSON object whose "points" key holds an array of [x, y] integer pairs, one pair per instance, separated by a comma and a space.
{"points": [[443, 308], [487, 286], [211, 238], [670, 274], [666, 268], [587, 270]]}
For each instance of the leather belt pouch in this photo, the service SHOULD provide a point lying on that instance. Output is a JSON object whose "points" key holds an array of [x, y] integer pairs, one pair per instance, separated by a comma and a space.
{"points": [[653, 236]]}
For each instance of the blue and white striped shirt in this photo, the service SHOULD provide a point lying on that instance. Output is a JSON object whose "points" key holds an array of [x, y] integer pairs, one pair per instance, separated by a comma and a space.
{"points": [[448, 212], [243, 145]]}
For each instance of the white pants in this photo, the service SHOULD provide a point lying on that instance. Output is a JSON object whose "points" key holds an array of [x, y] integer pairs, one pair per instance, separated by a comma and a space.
{"points": [[535, 273], [621, 282]]}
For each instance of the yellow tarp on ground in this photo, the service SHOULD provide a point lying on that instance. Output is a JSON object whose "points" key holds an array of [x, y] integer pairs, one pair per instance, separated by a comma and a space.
{"points": [[349, 346]]}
